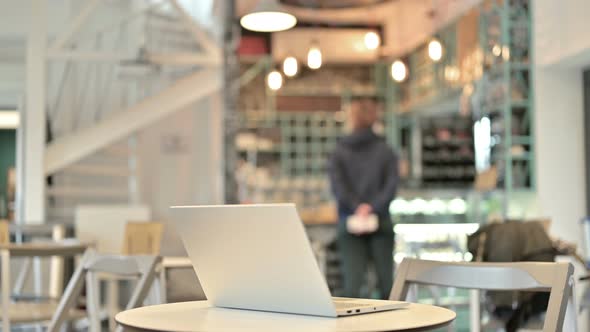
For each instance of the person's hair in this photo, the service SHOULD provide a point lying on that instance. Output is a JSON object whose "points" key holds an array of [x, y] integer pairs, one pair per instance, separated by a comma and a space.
{"points": [[363, 112]]}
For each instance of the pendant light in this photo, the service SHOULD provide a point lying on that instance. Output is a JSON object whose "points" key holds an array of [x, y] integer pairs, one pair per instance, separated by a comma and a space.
{"points": [[435, 50], [274, 80], [372, 40], [268, 16], [399, 71], [290, 66], [314, 56]]}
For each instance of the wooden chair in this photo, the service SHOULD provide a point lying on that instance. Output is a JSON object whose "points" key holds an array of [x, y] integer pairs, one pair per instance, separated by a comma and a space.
{"points": [[555, 278], [4, 232], [142, 238], [142, 268]]}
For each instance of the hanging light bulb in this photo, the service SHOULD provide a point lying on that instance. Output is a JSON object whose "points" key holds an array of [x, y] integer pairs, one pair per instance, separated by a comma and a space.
{"points": [[268, 16], [372, 40], [314, 57], [496, 50], [290, 66], [399, 72], [435, 50], [274, 80]]}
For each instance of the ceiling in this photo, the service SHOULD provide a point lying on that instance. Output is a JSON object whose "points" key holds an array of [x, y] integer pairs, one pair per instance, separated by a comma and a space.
{"points": [[405, 24], [325, 4]]}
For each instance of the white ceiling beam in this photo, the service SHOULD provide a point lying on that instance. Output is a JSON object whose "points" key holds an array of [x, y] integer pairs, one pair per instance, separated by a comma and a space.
{"points": [[69, 149], [79, 20], [184, 59], [197, 31]]}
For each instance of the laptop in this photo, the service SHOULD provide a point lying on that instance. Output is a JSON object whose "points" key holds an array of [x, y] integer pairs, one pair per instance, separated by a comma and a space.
{"points": [[258, 257]]}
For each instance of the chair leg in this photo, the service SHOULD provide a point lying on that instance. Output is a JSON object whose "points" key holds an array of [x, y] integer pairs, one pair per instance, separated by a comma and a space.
{"points": [[154, 296], [113, 302], [141, 290], [37, 279], [92, 301], [570, 322], [474, 311], [22, 277], [5, 256], [68, 299], [163, 295], [412, 293]]}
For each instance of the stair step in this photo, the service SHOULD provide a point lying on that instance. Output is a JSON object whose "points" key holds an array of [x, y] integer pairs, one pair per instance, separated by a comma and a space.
{"points": [[95, 170], [88, 192], [54, 213]]}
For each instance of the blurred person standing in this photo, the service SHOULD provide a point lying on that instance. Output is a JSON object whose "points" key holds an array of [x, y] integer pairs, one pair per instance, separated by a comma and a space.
{"points": [[363, 172]]}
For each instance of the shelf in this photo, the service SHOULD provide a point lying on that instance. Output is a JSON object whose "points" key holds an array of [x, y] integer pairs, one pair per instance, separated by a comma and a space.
{"points": [[336, 92], [447, 162], [520, 66], [450, 143], [522, 140], [497, 108], [273, 150], [527, 156]]}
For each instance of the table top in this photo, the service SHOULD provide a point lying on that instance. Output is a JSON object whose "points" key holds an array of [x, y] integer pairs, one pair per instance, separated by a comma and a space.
{"points": [[200, 316], [176, 262], [45, 248]]}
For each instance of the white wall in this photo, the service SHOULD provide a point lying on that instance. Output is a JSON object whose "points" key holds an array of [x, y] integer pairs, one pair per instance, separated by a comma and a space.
{"points": [[562, 50], [559, 44], [180, 163], [560, 149], [562, 36]]}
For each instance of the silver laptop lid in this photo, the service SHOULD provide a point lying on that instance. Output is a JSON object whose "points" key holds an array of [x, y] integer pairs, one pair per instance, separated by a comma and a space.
{"points": [[254, 257]]}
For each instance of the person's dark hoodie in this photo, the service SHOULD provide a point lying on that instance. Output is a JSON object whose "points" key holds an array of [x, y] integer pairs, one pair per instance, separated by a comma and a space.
{"points": [[363, 169]]}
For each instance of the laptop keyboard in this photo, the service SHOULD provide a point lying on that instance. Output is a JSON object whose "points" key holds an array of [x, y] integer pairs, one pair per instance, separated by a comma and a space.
{"points": [[348, 305]]}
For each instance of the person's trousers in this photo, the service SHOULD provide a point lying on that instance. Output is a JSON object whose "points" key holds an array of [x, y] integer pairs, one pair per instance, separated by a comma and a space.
{"points": [[355, 254]]}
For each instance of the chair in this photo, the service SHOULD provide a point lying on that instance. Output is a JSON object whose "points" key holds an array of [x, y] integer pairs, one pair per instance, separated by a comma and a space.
{"points": [[139, 238], [4, 232], [36, 308], [145, 238], [142, 238], [141, 267], [555, 278]]}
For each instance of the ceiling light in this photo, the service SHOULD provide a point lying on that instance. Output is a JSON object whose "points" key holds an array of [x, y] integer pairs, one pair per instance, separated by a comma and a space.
{"points": [[290, 66], [9, 119], [505, 53], [399, 72], [314, 57], [372, 40], [452, 73], [496, 50], [274, 80], [268, 16], [435, 50]]}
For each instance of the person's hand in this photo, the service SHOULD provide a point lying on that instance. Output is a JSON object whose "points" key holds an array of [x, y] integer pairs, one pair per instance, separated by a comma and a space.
{"points": [[363, 210]]}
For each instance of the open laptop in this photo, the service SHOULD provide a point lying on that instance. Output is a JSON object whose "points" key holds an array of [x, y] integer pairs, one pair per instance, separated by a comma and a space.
{"points": [[258, 257]]}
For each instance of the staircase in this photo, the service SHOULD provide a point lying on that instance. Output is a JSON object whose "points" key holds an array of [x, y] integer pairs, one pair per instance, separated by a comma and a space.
{"points": [[97, 108]]}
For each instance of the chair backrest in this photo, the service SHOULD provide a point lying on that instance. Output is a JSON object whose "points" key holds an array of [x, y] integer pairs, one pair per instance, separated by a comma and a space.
{"points": [[142, 267], [4, 232], [142, 238], [555, 278]]}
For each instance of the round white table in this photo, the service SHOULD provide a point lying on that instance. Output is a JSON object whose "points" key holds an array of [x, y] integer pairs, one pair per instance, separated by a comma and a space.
{"points": [[200, 316]]}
